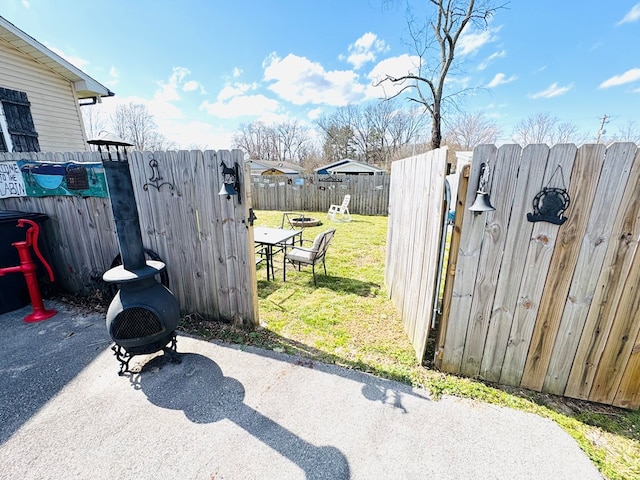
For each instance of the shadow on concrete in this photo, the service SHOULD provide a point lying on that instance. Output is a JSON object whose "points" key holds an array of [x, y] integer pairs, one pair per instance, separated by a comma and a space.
{"points": [[389, 391], [38, 359], [205, 395]]}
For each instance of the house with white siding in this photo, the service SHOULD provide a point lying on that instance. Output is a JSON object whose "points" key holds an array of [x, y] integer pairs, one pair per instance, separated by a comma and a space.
{"points": [[41, 95]]}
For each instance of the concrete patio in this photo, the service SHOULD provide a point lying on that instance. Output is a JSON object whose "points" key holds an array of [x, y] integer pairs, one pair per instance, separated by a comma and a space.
{"points": [[231, 413]]}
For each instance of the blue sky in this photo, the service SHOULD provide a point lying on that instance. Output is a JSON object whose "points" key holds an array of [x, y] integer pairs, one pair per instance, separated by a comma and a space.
{"points": [[203, 67]]}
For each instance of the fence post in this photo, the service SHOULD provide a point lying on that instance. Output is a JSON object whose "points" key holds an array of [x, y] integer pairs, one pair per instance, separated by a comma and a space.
{"points": [[450, 274]]}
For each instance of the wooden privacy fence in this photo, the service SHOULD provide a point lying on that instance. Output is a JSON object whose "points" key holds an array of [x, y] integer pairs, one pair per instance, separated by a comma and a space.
{"points": [[413, 240], [549, 307], [316, 193], [203, 238]]}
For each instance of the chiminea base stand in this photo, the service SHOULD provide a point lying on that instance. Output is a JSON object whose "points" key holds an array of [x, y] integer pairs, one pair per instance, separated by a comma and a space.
{"points": [[124, 356]]}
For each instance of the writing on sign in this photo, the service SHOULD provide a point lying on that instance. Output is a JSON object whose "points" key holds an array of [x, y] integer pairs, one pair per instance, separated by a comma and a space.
{"points": [[11, 180]]}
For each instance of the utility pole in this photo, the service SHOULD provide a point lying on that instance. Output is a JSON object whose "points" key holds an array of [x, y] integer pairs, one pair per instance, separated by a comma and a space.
{"points": [[603, 121]]}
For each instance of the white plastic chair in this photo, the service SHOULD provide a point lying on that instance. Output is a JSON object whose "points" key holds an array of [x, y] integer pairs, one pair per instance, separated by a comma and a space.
{"points": [[340, 212]]}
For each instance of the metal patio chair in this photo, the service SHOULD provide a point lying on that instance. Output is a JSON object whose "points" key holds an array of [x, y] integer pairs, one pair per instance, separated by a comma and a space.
{"points": [[310, 256]]}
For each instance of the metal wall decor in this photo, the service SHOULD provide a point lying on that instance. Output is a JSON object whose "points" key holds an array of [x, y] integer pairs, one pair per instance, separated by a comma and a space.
{"points": [[155, 178], [551, 202], [330, 178]]}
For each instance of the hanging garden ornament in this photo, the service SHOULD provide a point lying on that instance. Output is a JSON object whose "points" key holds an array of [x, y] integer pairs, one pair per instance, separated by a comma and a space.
{"points": [[550, 203]]}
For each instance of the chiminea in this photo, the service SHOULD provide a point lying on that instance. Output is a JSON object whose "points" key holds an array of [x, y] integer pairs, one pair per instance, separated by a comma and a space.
{"points": [[144, 314]]}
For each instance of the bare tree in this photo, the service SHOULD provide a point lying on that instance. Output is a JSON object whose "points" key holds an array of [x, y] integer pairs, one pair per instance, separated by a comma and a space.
{"points": [[544, 128], [466, 130], [338, 139], [94, 120], [630, 132], [134, 123], [252, 138], [284, 141], [292, 138], [371, 133], [435, 42]]}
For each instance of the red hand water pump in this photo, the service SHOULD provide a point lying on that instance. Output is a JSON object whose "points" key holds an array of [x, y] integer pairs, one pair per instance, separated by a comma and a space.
{"points": [[29, 269]]}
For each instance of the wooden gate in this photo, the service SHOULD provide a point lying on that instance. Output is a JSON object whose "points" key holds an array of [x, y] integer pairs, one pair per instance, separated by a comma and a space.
{"points": [[416, 215], [550, 307]]}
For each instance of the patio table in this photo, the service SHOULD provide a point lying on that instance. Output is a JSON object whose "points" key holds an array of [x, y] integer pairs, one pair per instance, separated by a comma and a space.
{"points": [[274, 240]]}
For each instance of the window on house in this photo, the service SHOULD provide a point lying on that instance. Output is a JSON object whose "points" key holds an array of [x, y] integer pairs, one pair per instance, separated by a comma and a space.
{"points": [[3, 143], [17, 131]]}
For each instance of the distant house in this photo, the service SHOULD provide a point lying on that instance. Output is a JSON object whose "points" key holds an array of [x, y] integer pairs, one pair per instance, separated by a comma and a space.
{"points": [[40, 96], [266, 167], [346, 166]]}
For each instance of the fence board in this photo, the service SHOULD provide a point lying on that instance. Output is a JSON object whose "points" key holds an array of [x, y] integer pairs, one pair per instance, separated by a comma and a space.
{"points": [[466, 267], [620, 343], [252, 295], [205, 224], [231, 242], [452, 260], [539, 254], [628, 395], [432, 236], [582, 188], [404, 243], [611, 282], [613, 178], [529, 183], [224, 299], [504, 173]]}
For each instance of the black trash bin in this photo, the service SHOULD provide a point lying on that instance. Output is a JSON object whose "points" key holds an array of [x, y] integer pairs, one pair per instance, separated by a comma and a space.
{"points": [[13, 287]]}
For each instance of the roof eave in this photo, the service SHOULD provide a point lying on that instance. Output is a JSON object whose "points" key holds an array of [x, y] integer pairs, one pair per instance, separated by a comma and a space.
{"points": [[85, 86]]}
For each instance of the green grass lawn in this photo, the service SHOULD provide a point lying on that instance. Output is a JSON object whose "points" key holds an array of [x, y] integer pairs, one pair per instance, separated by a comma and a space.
{"points": [[349, 321]]}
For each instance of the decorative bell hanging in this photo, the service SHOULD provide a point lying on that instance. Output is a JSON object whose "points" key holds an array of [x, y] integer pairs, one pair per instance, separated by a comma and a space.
{"points": [[227, 189], [231, 181], [482, 203]]}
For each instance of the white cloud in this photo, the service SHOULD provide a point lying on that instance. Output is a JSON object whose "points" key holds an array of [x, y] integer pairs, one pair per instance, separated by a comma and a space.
{"points": [[26, 4], [632, 15], [241, 105], [500, 79], [190, 86], [314, 113], [237, 72], [235, 90], [77, 62], [629, 76], [470, 43], [301, 81], [168, 91], [197, 134], [114, 77], [552, 91], [365, 49], [485, 63], [393, 67]]}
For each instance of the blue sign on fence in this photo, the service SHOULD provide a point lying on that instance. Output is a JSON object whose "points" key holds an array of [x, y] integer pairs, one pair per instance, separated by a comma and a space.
{"points": [[26, 178]]}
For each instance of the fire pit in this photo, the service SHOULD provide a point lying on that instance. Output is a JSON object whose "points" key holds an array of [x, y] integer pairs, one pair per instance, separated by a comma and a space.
{"points": [[144, 314], [305, 222]]}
